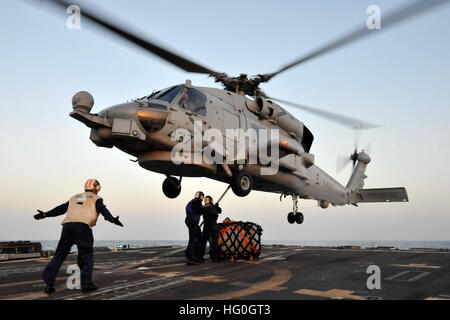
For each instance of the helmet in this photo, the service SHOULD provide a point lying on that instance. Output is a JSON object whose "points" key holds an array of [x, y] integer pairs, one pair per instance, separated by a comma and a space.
{"points": [[208, 200], [92, 185], [199, 195]]}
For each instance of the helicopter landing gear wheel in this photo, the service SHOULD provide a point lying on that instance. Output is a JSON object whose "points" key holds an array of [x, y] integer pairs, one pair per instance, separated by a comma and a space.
{"points": [[241, 183], [295, 216], [171, 187], [291, 218], [299, 218]]}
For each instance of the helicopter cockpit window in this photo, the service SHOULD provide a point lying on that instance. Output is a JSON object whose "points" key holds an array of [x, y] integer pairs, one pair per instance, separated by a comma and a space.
{"points": [[167, 94], [193, 100]]}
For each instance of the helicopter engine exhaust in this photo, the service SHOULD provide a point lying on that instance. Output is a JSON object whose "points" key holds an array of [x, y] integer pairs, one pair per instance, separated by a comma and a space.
{"points": [[265, 107]]}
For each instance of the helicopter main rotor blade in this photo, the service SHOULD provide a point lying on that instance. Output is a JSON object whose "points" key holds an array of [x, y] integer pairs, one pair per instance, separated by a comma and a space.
{"points": [[401, 14], [165, 54], [342, 162], [344, 120]]}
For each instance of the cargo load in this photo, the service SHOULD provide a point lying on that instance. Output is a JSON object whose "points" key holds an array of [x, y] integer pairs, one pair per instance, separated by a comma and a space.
{"points": [[239, 240]]}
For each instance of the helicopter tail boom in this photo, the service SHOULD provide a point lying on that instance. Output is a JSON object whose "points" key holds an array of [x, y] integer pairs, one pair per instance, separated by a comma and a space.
{"points": [[356, 181]]}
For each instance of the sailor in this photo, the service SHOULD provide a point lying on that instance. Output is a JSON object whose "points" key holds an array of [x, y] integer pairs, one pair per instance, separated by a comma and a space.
{"points": [[193, 212], [82, 210], [210, 233]]}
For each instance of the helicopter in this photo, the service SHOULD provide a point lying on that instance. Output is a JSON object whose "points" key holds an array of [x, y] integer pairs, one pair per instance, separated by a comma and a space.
{"points": [[148, 128]]}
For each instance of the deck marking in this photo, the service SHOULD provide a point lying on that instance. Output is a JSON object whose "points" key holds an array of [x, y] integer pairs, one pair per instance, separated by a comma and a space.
{"points": [[397, 275], [416, 265], [33, 295], [208, 279], [277, 289], [274, 258], [164, 274], [420, 276], [413, 278], [136, 264], [149, 290], [112, 288], [280, 277], [103, 267], [240, 284], [437, 298], [167, 265], [27, 282], [36, 259], [332, 294]]}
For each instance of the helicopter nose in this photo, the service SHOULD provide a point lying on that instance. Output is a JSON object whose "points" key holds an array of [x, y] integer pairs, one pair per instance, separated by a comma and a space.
{"points": [[120, 111], [151, 116]]}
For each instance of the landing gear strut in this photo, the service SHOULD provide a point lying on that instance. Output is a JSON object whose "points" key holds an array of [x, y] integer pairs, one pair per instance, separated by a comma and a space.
{"points": [[171, 187], [295, 216]]}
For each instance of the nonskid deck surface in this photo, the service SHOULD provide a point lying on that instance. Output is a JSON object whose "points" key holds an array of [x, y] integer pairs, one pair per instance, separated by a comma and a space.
{"points": [[282, 272]]}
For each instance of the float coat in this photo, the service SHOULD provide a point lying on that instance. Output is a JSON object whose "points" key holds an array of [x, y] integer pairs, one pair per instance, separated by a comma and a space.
{"points": [[82, 208]]}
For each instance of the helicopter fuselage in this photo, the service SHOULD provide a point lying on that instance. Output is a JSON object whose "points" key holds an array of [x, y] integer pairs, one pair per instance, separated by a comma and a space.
{"points": [[143, 128]]}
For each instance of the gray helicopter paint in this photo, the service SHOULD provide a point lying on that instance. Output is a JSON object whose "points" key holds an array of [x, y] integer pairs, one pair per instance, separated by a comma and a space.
{"points": [[153, 149]]}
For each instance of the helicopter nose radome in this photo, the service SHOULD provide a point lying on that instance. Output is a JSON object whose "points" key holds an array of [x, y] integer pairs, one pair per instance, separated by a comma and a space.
{"points": [[152, 117], [83, 101], [122, 111]]}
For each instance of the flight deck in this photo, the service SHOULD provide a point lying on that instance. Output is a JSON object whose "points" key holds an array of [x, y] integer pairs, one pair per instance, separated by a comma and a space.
{"points": [[281, 273]]}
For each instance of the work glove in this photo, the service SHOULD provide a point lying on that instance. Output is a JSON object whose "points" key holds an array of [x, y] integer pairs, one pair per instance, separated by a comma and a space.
{"points": [[40, 215], [116, 221]]}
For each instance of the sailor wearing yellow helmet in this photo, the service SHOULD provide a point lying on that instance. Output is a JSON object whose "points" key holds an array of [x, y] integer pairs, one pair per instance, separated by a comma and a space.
{"points": [[82, 210]]}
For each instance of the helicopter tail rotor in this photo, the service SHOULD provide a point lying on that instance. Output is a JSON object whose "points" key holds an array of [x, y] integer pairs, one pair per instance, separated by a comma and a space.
{"points": [[343, 161]]}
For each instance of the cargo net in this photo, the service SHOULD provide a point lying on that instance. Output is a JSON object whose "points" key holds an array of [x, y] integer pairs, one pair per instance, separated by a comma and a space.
{"points": [[239, 240]]}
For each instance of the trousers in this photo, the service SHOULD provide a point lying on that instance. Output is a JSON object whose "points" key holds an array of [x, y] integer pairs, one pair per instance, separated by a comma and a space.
{"points": [[73, 233]]}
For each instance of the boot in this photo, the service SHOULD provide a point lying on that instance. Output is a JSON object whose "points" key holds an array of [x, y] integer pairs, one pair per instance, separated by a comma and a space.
{"points": [[49, 289], [88, 288]]}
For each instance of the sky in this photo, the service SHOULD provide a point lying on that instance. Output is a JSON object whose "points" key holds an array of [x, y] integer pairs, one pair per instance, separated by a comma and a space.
{"points": [[399, 78]]}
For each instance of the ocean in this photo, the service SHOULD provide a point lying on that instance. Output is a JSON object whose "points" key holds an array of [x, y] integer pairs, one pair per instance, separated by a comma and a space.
{"points": [[404, 245]]}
